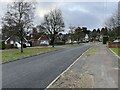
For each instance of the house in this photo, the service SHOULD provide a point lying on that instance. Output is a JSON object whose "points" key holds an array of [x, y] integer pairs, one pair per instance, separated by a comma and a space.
{"points": [[44, 40], [15, 42]]}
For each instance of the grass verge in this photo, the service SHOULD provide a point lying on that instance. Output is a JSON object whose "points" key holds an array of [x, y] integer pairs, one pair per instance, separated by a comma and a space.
{"points": [[14, 54], [91, 51], [116, 50]]}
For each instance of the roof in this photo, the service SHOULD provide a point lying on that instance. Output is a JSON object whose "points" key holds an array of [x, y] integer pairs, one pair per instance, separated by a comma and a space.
{"points": [[44, 37]]}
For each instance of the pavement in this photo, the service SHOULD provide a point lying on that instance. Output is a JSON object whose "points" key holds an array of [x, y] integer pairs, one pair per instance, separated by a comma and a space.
{"points": [[98, 68], [39, 71]]}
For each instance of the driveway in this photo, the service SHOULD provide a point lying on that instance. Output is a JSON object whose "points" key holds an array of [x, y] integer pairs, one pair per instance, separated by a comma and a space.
{"points": [[39, 71]]}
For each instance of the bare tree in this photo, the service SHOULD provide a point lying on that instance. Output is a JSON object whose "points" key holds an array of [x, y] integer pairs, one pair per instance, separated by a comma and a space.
{"points": [[71, 33], [41, 29], [113, 23], [53, 23], [19, 18]]}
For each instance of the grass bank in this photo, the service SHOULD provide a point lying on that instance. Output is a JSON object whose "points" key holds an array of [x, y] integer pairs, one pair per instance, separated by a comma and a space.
{"points": [[14, 54], [116, 50]]}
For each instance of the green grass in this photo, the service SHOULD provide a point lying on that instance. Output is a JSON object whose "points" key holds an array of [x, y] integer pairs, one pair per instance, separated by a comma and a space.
{"points": [[116, 50], [91, 51], [13, 54]]}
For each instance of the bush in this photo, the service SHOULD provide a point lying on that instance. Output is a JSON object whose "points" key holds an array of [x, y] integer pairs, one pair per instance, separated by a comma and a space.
{"points": [[60, 43], [2, 45], [105, 39], [9, 46], [24, 45]]}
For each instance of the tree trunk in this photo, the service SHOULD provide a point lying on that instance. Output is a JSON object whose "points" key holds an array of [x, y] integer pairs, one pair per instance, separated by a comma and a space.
{"points": [[71, 40], [53, 41], [21, 45], [21, 40], [78, 40]]}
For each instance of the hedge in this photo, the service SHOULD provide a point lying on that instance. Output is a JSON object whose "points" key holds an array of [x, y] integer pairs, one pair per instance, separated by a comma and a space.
{"points": [[2, 45], [9, 46], [60, 43], [105, 39]]}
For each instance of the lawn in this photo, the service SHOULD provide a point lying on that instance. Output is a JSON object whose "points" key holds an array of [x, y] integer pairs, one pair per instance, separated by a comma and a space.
{"points": [[116, 50], [13, 54]]}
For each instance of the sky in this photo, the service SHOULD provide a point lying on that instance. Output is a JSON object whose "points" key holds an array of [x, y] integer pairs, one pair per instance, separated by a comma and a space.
{"points": [[84, 14]]}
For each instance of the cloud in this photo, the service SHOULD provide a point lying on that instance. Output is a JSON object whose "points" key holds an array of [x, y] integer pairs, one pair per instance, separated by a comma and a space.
{"points": [[90, 14], [78, 9], [41, 12]]}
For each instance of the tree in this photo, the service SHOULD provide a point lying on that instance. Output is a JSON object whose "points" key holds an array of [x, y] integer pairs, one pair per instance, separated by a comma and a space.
{"points": [[113, 24], [104, 31], [85, 31], [65, 37], [35, 33], [94, 34], [79, 34], [41, 29], [71, 33], [53, 23], [98, 31], [19, 18]]}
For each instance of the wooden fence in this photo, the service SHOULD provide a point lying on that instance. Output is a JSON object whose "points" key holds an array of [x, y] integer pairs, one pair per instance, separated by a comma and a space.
{"points": [[113, 44]]}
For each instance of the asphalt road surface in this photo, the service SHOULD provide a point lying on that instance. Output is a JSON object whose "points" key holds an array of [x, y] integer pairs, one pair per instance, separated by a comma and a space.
{"points": [[39, 71]]}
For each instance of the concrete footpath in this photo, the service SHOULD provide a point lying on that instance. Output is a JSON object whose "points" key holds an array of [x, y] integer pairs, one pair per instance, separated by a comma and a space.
{"points": [[97, 68]]}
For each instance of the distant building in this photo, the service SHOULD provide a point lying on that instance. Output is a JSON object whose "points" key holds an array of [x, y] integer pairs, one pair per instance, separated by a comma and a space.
{"points": [[15, 41], [86, 37], [44, 40]]}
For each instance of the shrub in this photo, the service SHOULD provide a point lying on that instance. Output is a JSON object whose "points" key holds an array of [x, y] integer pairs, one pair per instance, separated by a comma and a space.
{"points": [[9, 46], [60, 43], [2, 45], [105, 39], [24, 45]]}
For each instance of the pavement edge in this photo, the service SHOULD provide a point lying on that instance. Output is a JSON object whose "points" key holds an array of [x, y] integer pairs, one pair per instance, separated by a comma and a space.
{"points": [[114, 53]]}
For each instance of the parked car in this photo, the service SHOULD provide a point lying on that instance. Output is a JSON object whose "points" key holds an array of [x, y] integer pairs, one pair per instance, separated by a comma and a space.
{"points": [[27, 44], [117, 40]]}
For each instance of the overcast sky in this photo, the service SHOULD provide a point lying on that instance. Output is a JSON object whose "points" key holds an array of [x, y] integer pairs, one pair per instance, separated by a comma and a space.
{"points": [[84, 14]]}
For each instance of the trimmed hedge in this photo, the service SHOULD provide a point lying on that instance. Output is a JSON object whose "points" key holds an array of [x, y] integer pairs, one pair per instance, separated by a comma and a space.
{"points": [[9, 46], [105, 39], [60, 43], [2, 45]]}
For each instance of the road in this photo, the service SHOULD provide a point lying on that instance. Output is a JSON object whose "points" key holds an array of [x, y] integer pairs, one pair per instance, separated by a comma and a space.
{"points": [[39, 71]]}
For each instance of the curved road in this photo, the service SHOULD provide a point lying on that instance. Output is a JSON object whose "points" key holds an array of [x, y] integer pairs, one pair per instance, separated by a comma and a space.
{"points": [[39, 71]]}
